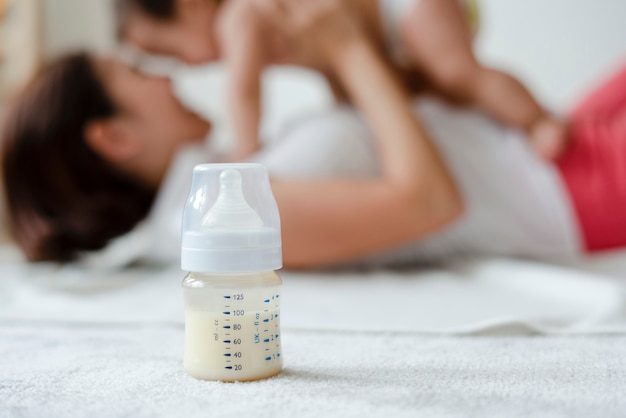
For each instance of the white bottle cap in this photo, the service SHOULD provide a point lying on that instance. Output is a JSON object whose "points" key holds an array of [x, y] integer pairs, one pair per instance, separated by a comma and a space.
{"points": [[231, 222]]}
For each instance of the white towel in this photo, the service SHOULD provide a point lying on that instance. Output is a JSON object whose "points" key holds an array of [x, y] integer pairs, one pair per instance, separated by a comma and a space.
{"points": [[109, 343], [122, 371]]}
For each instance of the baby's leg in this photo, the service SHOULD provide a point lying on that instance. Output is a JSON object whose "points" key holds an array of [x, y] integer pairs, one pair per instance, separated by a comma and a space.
{"points": [[440, 41]]}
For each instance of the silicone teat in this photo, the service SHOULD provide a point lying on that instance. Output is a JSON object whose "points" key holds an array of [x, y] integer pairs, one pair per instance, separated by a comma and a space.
{"points": [[231, 210]]}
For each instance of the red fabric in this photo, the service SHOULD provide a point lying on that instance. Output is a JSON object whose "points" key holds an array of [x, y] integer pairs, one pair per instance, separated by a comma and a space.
{"points": [[594, 168]]}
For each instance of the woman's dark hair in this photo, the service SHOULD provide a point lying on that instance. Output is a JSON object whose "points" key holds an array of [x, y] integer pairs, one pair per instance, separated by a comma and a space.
{"points": [[62, 197]]}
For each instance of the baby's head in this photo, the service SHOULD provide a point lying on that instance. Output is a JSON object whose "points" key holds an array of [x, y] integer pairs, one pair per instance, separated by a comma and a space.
{"points": [[181, 28], [83, 151]]}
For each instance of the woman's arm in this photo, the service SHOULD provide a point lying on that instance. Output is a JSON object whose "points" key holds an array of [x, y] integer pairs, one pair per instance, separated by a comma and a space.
{"points": [[244, 53], [329, 222]]}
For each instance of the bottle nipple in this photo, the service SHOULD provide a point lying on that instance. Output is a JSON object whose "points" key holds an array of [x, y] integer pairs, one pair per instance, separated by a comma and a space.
{"points": [[231, 222], [231, 210]]}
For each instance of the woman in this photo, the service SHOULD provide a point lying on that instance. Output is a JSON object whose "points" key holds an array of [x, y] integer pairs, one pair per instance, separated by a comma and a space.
{"points": [[479, 190]]}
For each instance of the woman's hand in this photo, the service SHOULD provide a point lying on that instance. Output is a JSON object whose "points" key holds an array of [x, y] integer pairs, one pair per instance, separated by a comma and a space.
{"points": [[320, 27]]}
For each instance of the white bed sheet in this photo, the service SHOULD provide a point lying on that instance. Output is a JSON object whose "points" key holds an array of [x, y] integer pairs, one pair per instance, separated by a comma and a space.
{"points": [[473, 296]]}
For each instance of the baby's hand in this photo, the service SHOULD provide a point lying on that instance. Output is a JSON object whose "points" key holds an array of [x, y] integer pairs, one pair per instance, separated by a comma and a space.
{"points": [[549, 138]]}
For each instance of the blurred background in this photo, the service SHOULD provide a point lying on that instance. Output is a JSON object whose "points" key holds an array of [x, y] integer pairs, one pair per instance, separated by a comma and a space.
{"points": [[558, 47]]}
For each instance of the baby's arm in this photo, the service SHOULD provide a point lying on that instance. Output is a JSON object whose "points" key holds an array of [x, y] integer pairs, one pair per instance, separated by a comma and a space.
{"points": [[244, 53]]}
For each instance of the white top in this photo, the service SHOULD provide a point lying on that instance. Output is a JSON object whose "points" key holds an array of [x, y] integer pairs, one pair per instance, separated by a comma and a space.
{"points": [[516, 204]]}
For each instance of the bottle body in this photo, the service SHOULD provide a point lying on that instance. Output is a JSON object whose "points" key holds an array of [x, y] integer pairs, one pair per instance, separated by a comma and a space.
{"points": [[232, 326]]}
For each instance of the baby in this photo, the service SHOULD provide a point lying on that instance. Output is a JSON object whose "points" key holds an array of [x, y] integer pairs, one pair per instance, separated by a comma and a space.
{"points": [[426, 41]]}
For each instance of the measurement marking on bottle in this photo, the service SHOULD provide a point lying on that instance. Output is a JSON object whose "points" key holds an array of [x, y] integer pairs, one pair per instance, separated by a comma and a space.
{"points": [[266, 301], [226, 341], [268, 358], [226, 297], [266, 340], [227, 355], [226, 327], [229, 367], [256, 324], [266, 320], [226, 313]]}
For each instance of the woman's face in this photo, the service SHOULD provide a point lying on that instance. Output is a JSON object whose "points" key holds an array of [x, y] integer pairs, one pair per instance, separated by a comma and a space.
{"points": [[150, 125], [150, 103]]}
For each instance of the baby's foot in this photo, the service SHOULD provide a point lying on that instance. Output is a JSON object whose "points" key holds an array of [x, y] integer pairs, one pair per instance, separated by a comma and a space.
{"points": [[549, 138]]}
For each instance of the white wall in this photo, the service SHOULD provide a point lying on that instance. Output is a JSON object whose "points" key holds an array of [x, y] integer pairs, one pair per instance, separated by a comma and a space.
{"points": [[560, 47], [20, 48], [77, 24]]}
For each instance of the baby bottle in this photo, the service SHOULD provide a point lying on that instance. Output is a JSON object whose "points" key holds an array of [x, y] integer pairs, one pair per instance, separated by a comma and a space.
{"points": [[231, 245]]}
